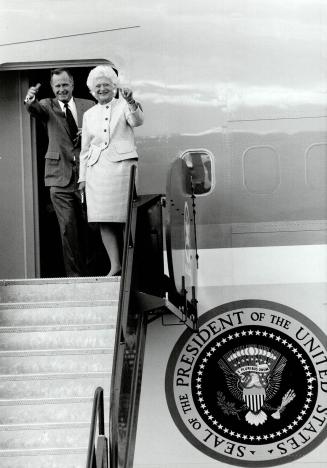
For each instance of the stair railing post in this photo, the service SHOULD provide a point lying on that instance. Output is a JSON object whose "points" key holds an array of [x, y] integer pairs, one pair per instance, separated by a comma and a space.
{"points": [[97, 457]]}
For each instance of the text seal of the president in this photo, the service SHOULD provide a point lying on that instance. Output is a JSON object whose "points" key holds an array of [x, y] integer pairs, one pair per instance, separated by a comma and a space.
{"points": [[250, 387]]}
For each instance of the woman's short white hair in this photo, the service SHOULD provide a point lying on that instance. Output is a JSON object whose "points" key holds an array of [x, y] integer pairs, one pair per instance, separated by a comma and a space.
{"points": [[101, 71]]}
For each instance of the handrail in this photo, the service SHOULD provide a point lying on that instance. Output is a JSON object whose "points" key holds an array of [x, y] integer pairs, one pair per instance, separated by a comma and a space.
{"points": [[117, 367], [97, 457], [142, 296], [143, 233], [127, 233]]}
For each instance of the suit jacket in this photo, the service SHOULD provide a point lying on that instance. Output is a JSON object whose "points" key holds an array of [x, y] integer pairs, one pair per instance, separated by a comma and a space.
{"points": [[61, 152], [108, 130]]}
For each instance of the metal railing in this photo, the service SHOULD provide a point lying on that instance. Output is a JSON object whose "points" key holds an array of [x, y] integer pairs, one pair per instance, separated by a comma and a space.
{"points": [[97, 454], [142, 298], [143, 271]]}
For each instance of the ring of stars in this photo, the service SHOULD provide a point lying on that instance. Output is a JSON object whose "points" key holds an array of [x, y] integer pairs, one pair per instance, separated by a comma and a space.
{"points": [[266, 437]]}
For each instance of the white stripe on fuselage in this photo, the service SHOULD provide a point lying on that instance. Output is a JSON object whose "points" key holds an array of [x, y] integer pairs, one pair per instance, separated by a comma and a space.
{"points": [[262, 265]]}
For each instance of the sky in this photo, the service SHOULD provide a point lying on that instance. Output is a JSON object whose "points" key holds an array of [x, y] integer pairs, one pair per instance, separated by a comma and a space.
{"points": [[221, 56]]}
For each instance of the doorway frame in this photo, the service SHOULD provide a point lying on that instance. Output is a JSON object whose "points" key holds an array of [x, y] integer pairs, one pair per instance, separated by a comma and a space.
{"points": [[29, 180]]}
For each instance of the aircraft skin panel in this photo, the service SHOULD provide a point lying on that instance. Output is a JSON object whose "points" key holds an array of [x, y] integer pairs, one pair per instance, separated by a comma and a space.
{"points": [[270, 184], [295, 276], [157, 436], [274, 233], [262, 265]]}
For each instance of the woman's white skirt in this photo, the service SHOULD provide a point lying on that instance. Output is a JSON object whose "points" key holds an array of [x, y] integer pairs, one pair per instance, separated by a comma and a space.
{"points": [[106, 190]]}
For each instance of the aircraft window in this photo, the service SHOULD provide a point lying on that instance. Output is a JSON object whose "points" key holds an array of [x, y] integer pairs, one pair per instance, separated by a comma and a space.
{"points": [[199, 163], [261, 169], [316, 165]]}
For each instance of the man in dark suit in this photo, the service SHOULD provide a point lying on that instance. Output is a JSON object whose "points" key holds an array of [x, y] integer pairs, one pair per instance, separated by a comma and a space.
{"points": [[63, 118]]}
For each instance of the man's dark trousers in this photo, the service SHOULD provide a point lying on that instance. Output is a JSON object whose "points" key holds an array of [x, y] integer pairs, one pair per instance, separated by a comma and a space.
{"points": [[68, 208]]}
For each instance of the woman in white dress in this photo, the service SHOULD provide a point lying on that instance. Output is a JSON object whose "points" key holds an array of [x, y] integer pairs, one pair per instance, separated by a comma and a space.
{"points": [[108, 151]]}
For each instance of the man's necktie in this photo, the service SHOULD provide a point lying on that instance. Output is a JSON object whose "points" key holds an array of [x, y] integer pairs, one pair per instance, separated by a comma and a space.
{"points": [[71, 122]]}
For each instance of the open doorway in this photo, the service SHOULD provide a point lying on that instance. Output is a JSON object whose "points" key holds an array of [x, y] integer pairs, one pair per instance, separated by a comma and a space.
{"points": [[50, 251]]}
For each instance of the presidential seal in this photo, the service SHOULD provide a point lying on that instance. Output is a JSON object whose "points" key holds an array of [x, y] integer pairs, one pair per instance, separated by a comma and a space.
{"points": [[250, 387]]}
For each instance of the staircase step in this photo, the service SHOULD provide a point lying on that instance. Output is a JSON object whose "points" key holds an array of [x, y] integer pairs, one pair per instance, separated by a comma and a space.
{"points": [[40, 411], [58, 362], [45, 458], [55, 328], [55, 352], [86, 336], [54, 385], [64, 312], [59, 289], [47, 435]]}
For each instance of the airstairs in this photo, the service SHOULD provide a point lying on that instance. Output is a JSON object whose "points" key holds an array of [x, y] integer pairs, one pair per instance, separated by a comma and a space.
{"points": [[70, 345], [56, 346]]}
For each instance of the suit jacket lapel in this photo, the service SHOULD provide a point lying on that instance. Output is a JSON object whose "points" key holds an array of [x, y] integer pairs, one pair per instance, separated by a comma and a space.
{"points": [[57, 108], [80, 111]]}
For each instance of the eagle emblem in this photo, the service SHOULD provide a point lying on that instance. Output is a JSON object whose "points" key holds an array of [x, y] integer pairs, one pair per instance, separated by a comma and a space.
{"points": [[253, 375]]}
